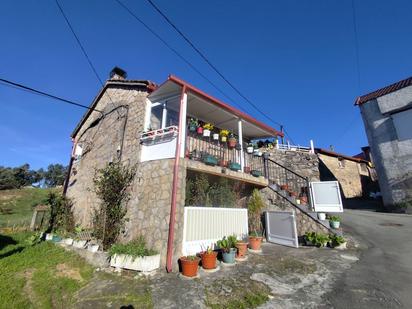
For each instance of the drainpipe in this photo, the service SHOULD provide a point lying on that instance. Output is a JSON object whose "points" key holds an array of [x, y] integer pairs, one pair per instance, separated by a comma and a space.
{"points": [[172, 220]]}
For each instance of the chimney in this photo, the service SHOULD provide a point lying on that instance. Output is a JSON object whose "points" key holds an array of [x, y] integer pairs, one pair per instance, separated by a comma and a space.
{"points": [[117, 73]]}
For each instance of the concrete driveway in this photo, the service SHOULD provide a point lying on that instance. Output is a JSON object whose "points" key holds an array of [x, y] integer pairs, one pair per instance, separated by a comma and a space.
{"points": [[383, 276]]}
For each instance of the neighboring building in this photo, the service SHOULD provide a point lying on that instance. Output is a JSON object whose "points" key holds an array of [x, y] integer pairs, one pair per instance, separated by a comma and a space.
{"points": [[356, 176], [140, 123], [387, 116]]}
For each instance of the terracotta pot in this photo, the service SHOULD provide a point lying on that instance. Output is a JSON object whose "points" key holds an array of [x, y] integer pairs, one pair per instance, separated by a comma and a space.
{"points": [[200, 130], [232, 142], [223, 163], [241, 249], [209, 260], [255, 242], [293, 194], [304, 199], [246, 169], [189, 266], [284, 187]]}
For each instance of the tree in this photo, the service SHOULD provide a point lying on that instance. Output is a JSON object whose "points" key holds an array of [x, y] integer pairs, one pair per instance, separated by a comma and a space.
{"points": [[7, 179], [22, 175], [55, 175], [255, 207]]}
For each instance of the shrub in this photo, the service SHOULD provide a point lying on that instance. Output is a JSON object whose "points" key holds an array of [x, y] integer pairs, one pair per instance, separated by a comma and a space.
{"points": [[111, 185], [336, 240], [61, 215], [255, 206], [135, 248], [318, 239]]}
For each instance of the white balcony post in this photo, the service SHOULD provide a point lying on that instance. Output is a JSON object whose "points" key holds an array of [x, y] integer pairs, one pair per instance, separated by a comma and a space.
{"points": [[182, 126], [312, 147], [240, 133]]}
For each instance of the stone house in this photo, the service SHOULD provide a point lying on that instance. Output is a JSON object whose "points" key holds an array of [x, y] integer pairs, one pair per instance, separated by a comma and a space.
{"points": [[148, 125], [356, 176], [387, 116]]}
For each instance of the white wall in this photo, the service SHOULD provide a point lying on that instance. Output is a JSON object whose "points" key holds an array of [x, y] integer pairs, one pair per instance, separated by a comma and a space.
{"points": [[158, 151]]}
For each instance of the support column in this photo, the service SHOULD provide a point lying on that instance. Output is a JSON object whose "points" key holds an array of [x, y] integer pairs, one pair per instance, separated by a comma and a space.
{"points": [[183, 126], [240, 133]]}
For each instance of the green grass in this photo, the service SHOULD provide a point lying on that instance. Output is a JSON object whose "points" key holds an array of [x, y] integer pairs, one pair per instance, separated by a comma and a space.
{"points": [[18, 205], [40, 276]]}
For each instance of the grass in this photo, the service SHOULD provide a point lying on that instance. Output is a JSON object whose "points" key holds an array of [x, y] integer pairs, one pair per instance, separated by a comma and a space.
{"points": [[40, 276], [17, 205]]}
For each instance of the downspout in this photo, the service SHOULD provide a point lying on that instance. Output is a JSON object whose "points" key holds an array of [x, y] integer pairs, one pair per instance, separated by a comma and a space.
{"points": [[172, 219]]}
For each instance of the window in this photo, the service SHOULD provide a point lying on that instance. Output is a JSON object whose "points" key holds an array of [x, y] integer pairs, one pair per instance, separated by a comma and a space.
{"points": [[78, 151], [164, 114], [363, 168], [341, 162], [403, 124]]}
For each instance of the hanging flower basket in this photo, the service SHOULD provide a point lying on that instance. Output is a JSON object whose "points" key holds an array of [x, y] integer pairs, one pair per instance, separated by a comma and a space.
{"points": [[224, 139], [206, 133], [256, 173], [215, 136], [199, 130], [235, 166], [246, 169], [210, 160], [232, 142], [249, 148]]}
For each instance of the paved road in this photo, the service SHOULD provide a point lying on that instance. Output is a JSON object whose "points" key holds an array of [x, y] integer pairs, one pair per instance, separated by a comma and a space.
{"points": [[383, 276]]}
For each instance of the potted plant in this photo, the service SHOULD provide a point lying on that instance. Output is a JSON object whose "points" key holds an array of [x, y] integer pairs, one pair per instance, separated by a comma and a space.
{"points": [[293, 194], [209, 258], [190, 265], [199, 130], [134, 256], [227, 245], [256, 173], [246, 169], [207, 128], [310, 238], [93, 247], [334, 222], [321, 216], [316, 239], [215, 136], [193, 124], [284, 187], [255, 206], [223, 163], [232, 141], [210, 160], [77, 242], [238, 146], [337, 242], [249, 148], [241, 249], [235, 166], [223, 135], [304, 199]]}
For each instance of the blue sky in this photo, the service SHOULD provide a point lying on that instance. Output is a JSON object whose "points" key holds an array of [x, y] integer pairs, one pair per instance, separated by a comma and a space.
{"points": [[294, 59]]}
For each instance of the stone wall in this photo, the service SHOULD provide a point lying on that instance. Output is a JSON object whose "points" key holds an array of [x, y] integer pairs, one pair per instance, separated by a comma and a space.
{"points": [[148, 210], [392, 157]]}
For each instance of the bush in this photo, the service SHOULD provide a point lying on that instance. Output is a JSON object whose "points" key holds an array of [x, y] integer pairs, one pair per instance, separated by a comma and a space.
{"points": [[111, 185], [336, 240], [61, 215], [255, 207], [318, 239], [135, 248]]}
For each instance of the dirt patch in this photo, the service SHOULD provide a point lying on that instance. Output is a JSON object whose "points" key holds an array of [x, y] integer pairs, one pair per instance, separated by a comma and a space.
{"points": [[390, 224], [63, 270], [28, 287]]}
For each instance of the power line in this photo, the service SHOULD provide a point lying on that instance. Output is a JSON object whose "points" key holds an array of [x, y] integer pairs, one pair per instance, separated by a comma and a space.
{"points": [[201, 54], [177, 53], [355, 32], [42, 93]]}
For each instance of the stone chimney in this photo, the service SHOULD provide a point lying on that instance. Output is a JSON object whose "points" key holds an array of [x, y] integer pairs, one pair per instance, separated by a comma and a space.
{"points": [[117, 73]]}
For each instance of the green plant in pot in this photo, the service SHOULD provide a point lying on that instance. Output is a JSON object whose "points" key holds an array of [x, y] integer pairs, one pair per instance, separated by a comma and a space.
{"points": [[235, 166], [209, 257], [193, 124], [255, 206], [227, 245], [334, 222], [249, 148], [337, 241], [223, 135], [190, 265], [232, 141]]}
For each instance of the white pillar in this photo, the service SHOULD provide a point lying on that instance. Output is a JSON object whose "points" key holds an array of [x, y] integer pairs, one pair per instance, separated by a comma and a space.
{"points": [[182, 126], [240, 133], [312, 148], [164, 115], [147, 115]]}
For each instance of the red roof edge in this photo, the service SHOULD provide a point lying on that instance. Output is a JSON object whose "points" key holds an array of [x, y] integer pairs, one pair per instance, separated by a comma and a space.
{"points": [[225, 106], [383, 91], [338, 155]]}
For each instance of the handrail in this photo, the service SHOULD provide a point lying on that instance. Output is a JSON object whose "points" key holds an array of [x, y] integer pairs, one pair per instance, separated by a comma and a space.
{"points": [[289, 170]]}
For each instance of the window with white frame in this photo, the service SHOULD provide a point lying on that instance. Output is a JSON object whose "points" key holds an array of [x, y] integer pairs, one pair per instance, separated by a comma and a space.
{"points": [[164, 114]]}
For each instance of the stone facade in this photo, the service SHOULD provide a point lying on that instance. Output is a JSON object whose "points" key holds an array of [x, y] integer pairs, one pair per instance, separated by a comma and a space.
{"points": [[148, 210], [392, 153]]}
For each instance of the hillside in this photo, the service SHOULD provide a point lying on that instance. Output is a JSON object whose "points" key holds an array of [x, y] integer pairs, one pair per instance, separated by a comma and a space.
{"points": [[16, 206]]}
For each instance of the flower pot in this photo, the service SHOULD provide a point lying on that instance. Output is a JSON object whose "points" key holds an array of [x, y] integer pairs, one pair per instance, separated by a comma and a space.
{"points": [[56, 238], [189, 266], [303, 199], [206, 133], [321, 216], [192, 128], [292, 194], [249, 149], [210, 160], [232, 142], [284, 187], [223, 139], [246, 169], [342, 246], [215, 136], [209, 260], [255, 242], [256, 173], [235, 166], [334, 224], [199, 130], [223, 163], [297, 201], [229, 257], [79, 243], [68, 241], [241, 249], [140, 263], [238, 146], [93, 248]]}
